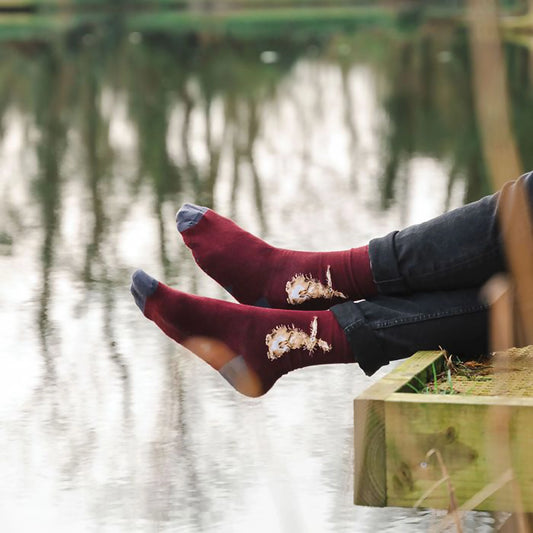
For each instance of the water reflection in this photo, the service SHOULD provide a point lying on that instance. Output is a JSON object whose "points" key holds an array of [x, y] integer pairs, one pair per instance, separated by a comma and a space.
{"points": [[318, 144]]}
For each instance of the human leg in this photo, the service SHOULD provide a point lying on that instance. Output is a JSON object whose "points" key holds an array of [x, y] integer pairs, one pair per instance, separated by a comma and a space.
{"points": [[460, 249], [258, 274], [386, 328], [252, 347]]}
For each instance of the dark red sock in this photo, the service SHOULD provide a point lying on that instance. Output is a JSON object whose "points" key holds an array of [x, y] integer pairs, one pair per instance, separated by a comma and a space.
{"points": [[251, 347], [258, 274]]}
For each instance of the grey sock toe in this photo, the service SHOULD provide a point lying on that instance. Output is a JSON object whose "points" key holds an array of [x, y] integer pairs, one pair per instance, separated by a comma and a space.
{"points": [[139, 300], [189, 215], [142, 287]]}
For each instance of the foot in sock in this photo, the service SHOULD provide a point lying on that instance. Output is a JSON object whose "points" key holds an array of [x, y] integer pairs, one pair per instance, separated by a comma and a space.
{"points": [[258, 274], [251, 347]]}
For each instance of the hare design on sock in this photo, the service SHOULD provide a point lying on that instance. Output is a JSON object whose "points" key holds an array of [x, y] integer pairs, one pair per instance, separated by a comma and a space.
{"points": [[283, 338], [302, 288]]}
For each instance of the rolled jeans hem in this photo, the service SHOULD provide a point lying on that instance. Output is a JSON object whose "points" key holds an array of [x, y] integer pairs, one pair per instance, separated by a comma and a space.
{"points": [[384, 265], [460, 249], [359, 334], [387, 328]]}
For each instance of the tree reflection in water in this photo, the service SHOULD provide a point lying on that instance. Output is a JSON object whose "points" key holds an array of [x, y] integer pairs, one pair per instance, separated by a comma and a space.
{"points": [[314, 148]]}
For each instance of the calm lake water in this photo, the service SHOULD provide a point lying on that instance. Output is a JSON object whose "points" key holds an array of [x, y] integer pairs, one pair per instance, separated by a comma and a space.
{"points": [[311, 140]]}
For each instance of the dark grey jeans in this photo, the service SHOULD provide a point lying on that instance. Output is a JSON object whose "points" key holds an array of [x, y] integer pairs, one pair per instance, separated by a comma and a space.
{"points": [[428, 277]]}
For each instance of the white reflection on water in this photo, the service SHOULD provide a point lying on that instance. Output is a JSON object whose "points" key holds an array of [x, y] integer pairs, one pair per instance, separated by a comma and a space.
{"points": [[106, 425]]}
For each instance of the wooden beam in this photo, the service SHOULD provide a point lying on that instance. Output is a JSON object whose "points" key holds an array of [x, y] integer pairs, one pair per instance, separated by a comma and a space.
{"points": [[421, 448], [369, 434]]}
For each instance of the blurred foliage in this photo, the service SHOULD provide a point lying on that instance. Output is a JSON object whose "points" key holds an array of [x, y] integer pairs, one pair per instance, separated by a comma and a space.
{"points": [[58, 80]]}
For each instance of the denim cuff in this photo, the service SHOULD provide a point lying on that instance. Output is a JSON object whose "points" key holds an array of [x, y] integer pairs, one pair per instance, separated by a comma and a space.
{"points": [[384, 264], [359, 333]]}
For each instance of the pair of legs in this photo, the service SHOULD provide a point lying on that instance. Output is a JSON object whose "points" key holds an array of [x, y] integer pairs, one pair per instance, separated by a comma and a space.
{"points": [[411, 290]]}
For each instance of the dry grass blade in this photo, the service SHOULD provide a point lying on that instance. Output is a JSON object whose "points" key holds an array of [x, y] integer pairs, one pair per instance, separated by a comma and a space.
{"points": [[451, 491], [486, 492]]}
